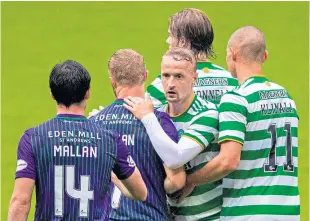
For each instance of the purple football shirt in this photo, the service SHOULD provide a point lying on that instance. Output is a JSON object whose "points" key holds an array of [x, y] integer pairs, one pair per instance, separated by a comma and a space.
{"points": [[71, 160], [117, 117]]}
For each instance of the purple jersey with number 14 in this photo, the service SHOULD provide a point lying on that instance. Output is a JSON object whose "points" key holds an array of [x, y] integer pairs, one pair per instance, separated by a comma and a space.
{"points": [[71, 160]]}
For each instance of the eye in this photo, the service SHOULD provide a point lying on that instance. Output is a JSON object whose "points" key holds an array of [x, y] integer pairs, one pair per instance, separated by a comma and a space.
{"points": [[179, 76], [165, 75]]}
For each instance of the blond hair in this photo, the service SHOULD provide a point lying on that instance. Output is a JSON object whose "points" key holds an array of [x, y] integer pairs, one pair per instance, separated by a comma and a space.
{"points": [[127, 67]]}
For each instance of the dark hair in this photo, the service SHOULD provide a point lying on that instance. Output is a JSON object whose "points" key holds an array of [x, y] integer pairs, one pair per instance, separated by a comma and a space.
{"points": [[195, 27], [69, 82]]}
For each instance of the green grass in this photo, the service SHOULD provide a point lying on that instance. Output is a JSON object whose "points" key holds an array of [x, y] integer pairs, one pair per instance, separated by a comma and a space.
{"points": [[36, 35]]}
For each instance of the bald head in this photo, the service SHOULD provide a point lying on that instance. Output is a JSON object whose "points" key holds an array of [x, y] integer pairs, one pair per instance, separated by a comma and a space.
{"points": [[250, 43]]}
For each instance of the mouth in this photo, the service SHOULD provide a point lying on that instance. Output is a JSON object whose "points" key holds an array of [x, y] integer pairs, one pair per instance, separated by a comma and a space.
{"points": [[171, 93]]}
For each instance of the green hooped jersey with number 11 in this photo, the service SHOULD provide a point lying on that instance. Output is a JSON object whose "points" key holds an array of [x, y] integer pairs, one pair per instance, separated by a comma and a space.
{"points": [[262, 116], [212, 82]]}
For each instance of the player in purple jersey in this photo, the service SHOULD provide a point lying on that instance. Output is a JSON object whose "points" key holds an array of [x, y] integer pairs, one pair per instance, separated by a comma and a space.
{"points": [[68, 159], [128, 75]]}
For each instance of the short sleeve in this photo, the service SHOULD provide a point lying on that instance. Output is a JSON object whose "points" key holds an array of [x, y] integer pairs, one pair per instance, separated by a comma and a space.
{"points": [[26, 167], [232, 118], [204, 128], [125, 165]]}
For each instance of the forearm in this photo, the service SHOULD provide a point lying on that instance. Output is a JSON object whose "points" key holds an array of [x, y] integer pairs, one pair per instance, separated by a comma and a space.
{"points": [[121, 187], [18, 211], [173, 154], [175, 179], [214, 170]]}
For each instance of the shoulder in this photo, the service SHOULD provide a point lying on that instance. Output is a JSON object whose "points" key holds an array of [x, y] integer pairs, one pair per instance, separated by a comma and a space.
{"points": [[201, 105], [201, 109], [218, 73], [107, 134], [233, 97], [253, 86], [28, 134], [40, 129]]}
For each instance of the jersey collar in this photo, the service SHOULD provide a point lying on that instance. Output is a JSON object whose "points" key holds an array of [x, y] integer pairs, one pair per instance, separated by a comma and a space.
{"points": [[119, 101], [71, 116]]}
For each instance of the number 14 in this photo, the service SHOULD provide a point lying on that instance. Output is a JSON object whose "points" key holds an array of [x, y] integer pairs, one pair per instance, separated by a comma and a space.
{"points": [[84, 194]]}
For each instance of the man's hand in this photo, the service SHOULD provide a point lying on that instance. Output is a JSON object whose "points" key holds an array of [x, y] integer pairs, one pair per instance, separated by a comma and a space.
{"points": [[95, 111], [185, 192], [138, 106]]}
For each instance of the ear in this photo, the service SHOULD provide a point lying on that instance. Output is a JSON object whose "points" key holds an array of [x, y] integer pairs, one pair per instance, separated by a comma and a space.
{"points": [[52, 96], [265, 56], [113, 82], [183, 43], [146, 75], [87, 95], [233, 54]]}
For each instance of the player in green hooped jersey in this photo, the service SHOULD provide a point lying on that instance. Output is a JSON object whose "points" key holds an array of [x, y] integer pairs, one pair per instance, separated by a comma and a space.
{"points": [[197, 123], [191, 28], [258, 126]]}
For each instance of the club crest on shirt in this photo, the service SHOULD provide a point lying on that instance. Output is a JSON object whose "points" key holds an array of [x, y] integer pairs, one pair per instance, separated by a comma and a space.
{"points": [[131, 162], [21, 164], [180, 133]]}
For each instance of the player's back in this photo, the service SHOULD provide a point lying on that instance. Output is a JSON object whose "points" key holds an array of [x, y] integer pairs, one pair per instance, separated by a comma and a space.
{"points": [[74, 160], [213, 81], [134, 134], [265, 185]]}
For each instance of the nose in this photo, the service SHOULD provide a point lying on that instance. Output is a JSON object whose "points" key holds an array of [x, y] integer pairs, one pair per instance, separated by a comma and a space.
{"points": [[171, 82]]}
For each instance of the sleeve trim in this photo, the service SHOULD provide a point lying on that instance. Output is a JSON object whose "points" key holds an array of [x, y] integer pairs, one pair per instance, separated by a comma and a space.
{"points": [[196, 140], [30, 176], [230, 139]]}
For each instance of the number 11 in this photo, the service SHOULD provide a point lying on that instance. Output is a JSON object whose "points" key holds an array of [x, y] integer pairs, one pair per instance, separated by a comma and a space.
{"points": [[272, 165]]}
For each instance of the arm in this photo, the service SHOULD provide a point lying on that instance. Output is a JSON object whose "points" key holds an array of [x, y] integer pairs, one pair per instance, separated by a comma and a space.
{"points": [[21, 199], [130, 180], [175, 179], [223, 164], [232, 121], [173, 154], [25, 181], [122, 187], [135, 186]]}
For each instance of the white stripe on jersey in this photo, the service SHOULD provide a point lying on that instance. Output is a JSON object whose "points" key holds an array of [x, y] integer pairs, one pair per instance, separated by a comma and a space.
{"points": [[260, 181], [263, 124], [200, 199], [200, 216], [261, 218]]}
